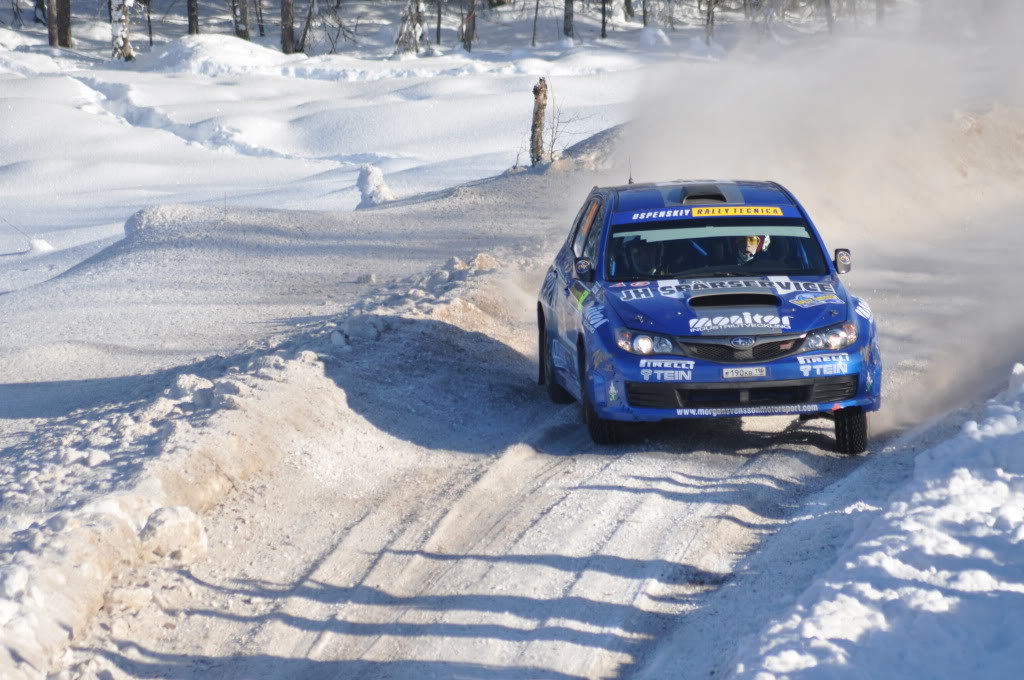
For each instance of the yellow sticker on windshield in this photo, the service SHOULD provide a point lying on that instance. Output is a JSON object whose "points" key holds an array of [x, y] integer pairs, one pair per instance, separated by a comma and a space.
{"points": [[739, 211]]}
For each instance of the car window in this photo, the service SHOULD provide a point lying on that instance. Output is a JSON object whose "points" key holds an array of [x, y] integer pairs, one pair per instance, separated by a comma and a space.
{"points": [[583, 230], [594, 238], [714, 247]]}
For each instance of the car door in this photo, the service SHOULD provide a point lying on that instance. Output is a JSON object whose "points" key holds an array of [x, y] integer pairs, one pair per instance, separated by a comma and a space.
{"points": [[570, 292]]}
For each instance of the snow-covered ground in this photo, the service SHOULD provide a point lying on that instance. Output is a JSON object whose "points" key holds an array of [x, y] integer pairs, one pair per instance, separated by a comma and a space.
{"points": [[249, 430]]}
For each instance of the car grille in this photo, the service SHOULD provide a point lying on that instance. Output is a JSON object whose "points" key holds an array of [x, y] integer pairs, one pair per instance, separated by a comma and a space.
{"points": [[765, 393], [726, 353]]}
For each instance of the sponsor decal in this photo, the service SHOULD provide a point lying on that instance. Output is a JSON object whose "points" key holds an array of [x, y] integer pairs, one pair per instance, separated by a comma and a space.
{"points": [[747, 410], [661, 214], [640, 284], [620, 284], [738, 322], [613, 394], [806, 300], [678, 289], [824, 364], [741, 211], [636, 294], [579, 294], [666, 369], [863, 309], [593, 317]]}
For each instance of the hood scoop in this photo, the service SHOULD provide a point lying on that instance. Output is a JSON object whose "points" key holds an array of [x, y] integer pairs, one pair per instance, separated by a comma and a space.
{"points": [[736, 299]]}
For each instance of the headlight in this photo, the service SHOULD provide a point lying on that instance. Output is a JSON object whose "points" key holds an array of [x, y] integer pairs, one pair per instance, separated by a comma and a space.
{"points": [[642, 343], [833, 337]]}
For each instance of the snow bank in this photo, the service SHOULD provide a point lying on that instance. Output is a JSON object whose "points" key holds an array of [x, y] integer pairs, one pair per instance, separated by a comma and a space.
{"points": [[199, 438], [57, 579], [930, 588]]}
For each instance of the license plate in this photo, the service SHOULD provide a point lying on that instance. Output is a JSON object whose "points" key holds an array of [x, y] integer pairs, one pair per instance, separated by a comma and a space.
{"points": [[745, 372]]}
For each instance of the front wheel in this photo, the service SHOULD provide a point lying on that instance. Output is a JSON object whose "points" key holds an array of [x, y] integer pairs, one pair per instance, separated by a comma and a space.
{"points": [[851, 430], [601, 431]]}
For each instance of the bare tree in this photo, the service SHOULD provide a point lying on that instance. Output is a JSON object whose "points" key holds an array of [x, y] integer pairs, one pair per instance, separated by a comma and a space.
{"points": [[880, 12], [287, 26], [192, 7], [567, 21], [439, 4], [240, 16], [301, 47], [536, 14], [121, 31], [51, 22], [709, 21], [17, 21], [410, 28], [829, 16], [258, 4], [64, 23], [604, 18], [469, 27]]}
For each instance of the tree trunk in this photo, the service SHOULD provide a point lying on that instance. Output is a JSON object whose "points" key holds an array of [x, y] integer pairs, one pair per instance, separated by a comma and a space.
{"points": [[122, 31], [17, 21], [305, 27], [410, 28], [628, 9], [829, 16], [51, 22], [258, 4], [469, 31], [39, 11], [604, 18], [540, 105], [193, 17], [242, 20], [438, 21], [709, 22], [880, 12], [287, 26], [64, 23], [646, 18], [149, 20], [536, 14], [567, 22]]}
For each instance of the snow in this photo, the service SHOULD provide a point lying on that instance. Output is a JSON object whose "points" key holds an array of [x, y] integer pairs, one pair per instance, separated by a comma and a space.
{"points": [[201, 313]]}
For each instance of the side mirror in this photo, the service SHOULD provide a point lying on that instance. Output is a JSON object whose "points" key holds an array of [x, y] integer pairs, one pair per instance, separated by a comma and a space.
{"points": [[584, 269], [842, 261]]}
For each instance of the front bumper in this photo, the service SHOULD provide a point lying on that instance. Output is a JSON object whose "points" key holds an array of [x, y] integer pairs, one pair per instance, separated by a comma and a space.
{"points": [[629, 387]]}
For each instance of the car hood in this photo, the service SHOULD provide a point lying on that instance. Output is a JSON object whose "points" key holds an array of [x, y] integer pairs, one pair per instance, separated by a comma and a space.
{"points": [[730, 306]]}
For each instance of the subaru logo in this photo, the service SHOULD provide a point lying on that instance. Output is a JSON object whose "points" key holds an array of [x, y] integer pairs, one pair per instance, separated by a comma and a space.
{"points": [[742, 342]]}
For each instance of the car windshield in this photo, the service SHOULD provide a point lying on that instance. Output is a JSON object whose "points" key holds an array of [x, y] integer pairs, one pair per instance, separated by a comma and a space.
{"points": [[680, 249]]}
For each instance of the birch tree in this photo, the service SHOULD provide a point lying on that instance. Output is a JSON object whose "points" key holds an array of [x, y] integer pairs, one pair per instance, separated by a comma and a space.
{"points": [[121, 30]]}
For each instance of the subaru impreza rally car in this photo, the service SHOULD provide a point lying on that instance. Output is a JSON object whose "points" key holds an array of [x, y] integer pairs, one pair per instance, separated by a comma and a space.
{"points": [[704, 300]]}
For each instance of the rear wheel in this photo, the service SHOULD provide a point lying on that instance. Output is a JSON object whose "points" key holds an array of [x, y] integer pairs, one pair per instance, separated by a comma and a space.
{"points": [[851, 430], [556, 392], [601, 431]]}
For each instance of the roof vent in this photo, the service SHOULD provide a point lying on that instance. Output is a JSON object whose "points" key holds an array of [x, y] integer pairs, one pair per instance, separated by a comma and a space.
{"points": [[698, 194]]}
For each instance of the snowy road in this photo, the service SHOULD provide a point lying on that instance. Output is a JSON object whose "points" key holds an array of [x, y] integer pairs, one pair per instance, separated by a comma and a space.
{"points": [[450, 522]]}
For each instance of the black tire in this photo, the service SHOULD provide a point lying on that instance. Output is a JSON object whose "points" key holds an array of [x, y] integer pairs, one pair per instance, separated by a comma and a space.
{"points": [[601, 431], [851, 430], [556, 392]]}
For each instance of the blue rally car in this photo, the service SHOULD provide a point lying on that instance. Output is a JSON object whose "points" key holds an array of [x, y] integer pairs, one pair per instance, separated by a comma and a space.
{"points": [[704, 299]]}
